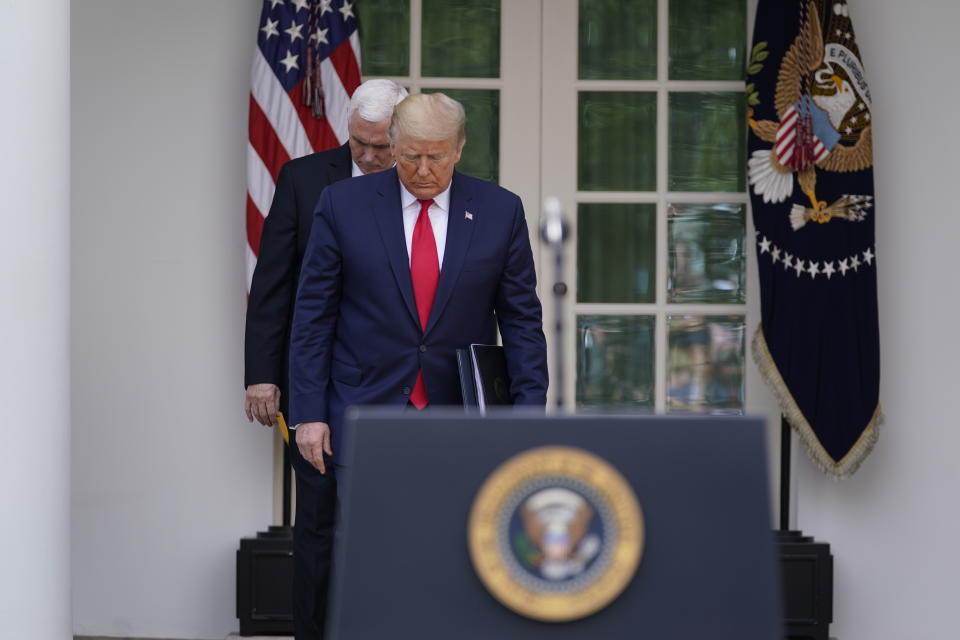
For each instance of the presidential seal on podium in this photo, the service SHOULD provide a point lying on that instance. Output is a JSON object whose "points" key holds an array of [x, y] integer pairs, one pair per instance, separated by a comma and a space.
{"points": [[556, 533]]}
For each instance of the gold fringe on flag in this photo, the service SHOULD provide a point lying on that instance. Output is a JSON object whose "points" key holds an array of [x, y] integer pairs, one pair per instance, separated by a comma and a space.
{"points": [[843, 468]]}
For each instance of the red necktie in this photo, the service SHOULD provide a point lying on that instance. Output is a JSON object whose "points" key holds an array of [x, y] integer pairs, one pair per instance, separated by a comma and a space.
{"points": [[425, 272]]}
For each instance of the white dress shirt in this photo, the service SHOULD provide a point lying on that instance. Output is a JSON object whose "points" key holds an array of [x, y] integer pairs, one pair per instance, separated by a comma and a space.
{"points": [[438, 213]]}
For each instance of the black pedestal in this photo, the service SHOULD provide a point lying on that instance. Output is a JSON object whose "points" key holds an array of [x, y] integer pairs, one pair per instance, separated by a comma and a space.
{"points": [[265, 583], [807, 584]]}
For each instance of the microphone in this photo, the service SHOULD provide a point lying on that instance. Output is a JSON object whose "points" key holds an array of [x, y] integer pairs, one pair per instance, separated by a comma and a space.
{"points": [[553, 225]]}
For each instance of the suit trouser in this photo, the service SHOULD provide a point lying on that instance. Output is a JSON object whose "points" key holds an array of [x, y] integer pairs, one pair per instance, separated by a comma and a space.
{"points": [[315, 531], [313, 534]]}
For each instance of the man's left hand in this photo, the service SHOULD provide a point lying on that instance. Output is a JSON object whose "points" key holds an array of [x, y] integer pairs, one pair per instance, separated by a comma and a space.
{"points": [[313, 440], [262, 403]]}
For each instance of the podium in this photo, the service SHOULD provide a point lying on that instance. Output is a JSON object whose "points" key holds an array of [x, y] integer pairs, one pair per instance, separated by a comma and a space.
{"points": [[410, 481]]}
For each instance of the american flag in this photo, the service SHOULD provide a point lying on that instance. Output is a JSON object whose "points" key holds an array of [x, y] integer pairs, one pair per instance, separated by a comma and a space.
{"points": [[305, 68]]}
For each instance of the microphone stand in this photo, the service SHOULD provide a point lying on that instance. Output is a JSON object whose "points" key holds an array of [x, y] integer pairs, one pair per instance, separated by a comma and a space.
{"points": [[555, 231]]}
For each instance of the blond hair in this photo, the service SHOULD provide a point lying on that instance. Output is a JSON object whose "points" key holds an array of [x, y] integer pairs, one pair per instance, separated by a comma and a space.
{"points": [[429, 116]]}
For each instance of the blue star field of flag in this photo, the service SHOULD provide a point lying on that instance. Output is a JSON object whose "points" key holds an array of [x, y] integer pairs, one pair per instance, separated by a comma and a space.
{"points": [[287, 27]]}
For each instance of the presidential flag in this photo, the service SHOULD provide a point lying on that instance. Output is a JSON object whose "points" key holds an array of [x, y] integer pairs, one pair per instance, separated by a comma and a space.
{"points": [[810, 169], [306, 66]]}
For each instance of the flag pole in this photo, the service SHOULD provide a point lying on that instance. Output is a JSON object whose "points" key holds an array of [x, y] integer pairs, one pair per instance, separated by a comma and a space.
{"points": [[784, 474], [287, 488]]}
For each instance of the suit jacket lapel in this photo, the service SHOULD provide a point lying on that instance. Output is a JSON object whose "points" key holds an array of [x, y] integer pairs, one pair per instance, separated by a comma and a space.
{"points": [[389, 217], [459, 234]]}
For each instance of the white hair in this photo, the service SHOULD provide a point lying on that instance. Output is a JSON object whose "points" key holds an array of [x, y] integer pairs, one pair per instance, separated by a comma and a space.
{"points": [[375, 99], [429, 116]]}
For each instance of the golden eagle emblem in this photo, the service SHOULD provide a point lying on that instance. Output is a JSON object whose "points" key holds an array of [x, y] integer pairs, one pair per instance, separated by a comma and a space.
{"points": [[555, 533], [556, 521], [823, 104]]}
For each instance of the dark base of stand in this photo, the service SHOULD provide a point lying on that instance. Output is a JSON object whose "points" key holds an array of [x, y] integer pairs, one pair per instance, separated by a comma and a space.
{"points": [[807, 568], [265, 576], [264, 583]]}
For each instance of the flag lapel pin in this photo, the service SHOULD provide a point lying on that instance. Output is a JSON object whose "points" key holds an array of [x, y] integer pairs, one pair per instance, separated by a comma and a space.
{"points": [[467, 215]]}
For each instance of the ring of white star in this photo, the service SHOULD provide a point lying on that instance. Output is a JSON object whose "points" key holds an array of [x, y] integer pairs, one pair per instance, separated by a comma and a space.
{"points": [[811, 268]]}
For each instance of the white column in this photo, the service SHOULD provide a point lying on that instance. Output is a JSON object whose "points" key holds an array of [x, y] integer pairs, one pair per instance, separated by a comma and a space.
{"points": [[34, 320]]}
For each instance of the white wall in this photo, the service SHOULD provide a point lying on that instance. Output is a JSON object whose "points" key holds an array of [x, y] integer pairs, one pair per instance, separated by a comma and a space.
{"points": [[167, 474], [894, 526], [35, 321]]}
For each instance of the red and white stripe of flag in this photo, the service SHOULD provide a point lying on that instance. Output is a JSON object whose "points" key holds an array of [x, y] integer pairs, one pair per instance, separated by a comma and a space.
{"points": [[281, 128], [788, 148]]}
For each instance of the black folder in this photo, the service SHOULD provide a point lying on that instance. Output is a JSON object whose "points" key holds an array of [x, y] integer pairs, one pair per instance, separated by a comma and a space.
{"points": [[484, 380]]}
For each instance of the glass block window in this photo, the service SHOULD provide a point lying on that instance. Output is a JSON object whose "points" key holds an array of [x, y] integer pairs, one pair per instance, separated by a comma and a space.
{"points": [[705, 363], [707, 142], [661, 205], [617, 135], [385, 37], [461, 38], [706, 260], [609, 373], [707, 39], [618, 40], [616, 252]]}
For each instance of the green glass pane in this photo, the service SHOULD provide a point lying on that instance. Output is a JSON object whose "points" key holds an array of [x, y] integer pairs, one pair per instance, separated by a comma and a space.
{"points": [[707, 142], [617, 144], [705, 363], [461, 38], [616, 252], [706, 253], [385, 37], [481, 154], [615, 362], [707, 39], [618, 40]]}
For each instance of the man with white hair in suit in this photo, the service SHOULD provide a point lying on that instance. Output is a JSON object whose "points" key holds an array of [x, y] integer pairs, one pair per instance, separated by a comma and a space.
{"points": [[270, 313]]}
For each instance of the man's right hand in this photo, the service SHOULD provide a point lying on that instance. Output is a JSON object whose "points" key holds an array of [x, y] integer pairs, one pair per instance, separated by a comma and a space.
{"points": [[313, 440], [262, 402]]}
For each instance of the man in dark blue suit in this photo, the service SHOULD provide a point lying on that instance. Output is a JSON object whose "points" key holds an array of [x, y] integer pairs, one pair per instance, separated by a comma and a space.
{"points": [[270, 313], [402, 268]]}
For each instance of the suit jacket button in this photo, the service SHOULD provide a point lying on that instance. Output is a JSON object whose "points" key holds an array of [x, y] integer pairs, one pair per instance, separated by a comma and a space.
{"points": [[405, 391], [423, 348]]}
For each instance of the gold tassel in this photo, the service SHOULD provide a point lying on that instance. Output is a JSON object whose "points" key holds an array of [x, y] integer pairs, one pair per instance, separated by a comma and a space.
{"points": [[843, 468]]}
